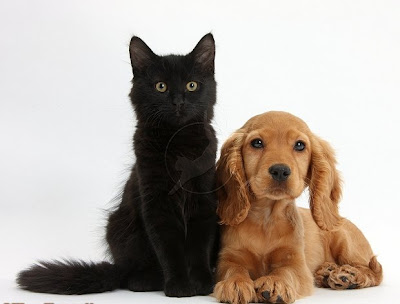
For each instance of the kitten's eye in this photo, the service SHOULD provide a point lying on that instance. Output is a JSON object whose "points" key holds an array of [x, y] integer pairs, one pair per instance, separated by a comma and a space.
{"points": [[257, 143], [191, 86], [299, 145], [161, 86]]}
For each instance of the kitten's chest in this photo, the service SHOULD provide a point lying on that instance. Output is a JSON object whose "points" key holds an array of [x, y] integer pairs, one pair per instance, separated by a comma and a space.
{"points": [[171, 145], [180, 161]]}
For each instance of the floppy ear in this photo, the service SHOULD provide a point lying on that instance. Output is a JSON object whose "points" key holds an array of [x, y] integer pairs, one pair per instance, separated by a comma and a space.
{"points": [[233, 192], [324, 185]]}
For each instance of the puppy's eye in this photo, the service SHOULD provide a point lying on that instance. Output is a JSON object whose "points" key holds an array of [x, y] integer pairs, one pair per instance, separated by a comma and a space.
{"points": [[192, 86], [257, 143], [299, 145], [161, 87]]}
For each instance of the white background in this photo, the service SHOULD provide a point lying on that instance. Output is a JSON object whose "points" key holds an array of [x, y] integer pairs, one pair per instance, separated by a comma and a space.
{"points": [[66, 122]]}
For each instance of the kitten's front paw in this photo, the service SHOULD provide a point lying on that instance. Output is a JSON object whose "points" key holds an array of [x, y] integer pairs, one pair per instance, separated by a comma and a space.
{"points": [[179, 288], [235, 291], [203, 283]]}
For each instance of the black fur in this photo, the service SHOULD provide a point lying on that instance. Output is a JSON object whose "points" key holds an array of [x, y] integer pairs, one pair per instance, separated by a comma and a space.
{"points": [[163, 235], [70, 277]]}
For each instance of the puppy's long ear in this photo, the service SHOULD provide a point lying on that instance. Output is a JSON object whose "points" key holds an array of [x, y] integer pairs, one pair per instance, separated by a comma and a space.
{"points": [[324, 185], [233, 193]]}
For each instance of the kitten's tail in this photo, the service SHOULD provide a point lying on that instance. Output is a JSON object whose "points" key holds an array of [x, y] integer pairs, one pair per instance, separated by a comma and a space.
{"points": [[70, 277]]}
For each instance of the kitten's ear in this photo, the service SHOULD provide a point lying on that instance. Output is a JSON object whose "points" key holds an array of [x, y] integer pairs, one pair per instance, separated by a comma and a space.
{"points": [[204, 53], [141, 54]]}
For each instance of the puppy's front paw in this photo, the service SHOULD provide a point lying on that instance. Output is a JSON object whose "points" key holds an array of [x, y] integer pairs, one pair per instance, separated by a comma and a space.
{"points": [[235, 290], [271, 289]]}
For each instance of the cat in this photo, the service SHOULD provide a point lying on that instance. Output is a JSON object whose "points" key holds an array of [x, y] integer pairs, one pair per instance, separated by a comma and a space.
{"points": [[164, 233]]}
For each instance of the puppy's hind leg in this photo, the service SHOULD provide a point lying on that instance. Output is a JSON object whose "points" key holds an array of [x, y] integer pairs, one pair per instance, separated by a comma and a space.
{"points": [[331, 275], [355, 265], [322, 274]]}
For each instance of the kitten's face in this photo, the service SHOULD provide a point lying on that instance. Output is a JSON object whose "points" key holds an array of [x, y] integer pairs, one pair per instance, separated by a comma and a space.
{"points": [[173, 89]]}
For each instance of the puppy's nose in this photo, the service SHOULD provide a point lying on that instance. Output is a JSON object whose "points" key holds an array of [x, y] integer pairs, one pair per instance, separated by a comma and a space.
{"points": [[279, 172]]}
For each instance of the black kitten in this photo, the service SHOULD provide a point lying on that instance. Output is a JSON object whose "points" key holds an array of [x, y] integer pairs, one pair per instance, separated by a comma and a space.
{"points": [[163, 235]]}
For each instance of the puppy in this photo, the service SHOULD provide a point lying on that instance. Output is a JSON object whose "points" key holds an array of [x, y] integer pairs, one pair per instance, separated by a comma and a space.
{"points": [[273, 251]]}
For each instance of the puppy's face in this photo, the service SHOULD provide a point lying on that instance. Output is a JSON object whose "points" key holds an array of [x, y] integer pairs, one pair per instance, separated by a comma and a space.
{"points": [[276, 156]]}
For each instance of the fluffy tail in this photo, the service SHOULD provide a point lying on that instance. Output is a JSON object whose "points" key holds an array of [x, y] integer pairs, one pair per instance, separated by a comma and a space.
{"points": [[377, 271], [69, 277]]}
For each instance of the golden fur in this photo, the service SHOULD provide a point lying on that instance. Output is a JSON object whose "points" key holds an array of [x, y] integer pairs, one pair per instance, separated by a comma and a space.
{"points": [[273, 251]]}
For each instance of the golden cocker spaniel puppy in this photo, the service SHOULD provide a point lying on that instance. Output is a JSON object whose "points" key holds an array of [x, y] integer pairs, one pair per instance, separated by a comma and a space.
{"points": [[271, 250]]}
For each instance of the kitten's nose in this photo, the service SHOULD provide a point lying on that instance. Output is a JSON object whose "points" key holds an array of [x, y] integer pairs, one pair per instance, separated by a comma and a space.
{"points": [[178, 101]]}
